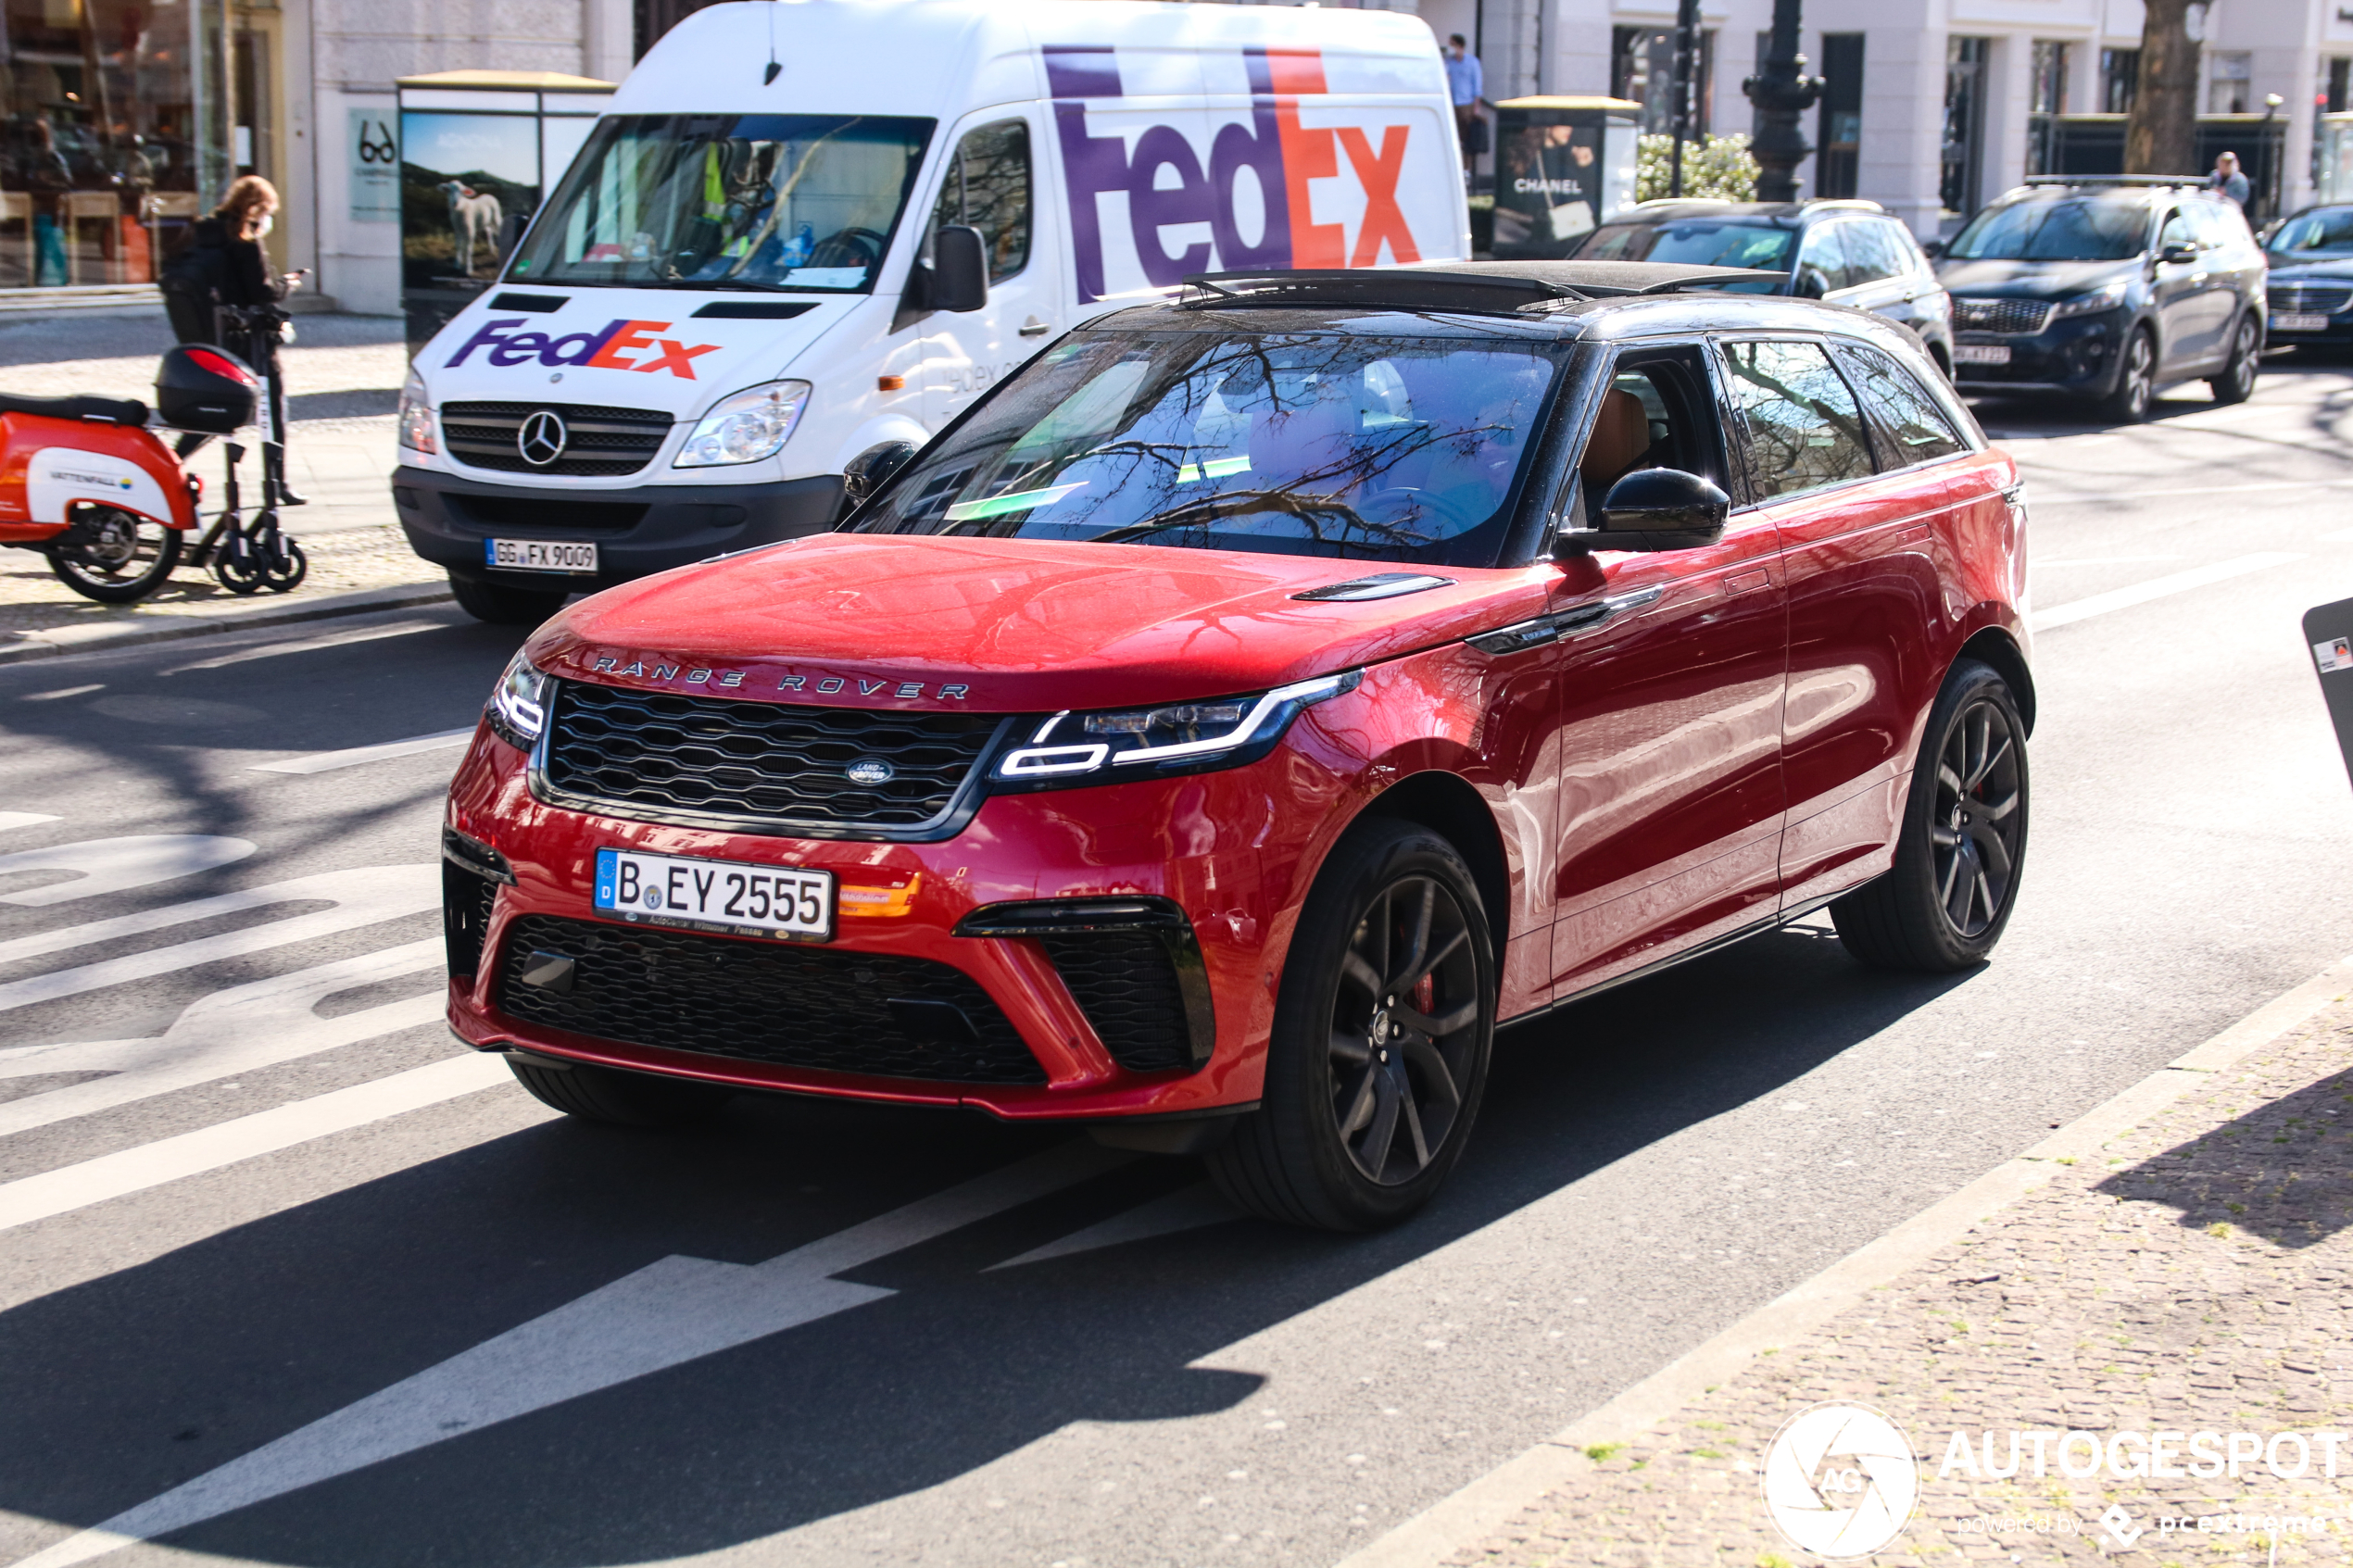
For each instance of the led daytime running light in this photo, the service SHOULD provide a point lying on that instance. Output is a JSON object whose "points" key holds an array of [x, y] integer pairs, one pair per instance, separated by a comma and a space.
{"points": [[518, 703], [1266, 715]]}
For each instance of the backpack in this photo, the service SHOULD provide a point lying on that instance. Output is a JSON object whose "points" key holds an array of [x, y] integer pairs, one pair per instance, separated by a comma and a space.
{"points": [[197, 270]]}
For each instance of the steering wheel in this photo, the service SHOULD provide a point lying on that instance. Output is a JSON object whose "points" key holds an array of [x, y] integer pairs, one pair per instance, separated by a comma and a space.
{"points": [[828, 251]]}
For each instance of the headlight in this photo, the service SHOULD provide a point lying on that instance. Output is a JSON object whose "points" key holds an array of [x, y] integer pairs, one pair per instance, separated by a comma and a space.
{"points": [[415, 420], [518, 707], [1142, 743], [746, 427], [2106, 297]]}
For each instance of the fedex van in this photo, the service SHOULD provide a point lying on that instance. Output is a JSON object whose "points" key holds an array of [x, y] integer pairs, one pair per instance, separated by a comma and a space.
{"points": [[805, 230]]}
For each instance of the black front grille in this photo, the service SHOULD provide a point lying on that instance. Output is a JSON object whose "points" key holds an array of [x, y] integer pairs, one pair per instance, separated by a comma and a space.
{"points": [[708, 760], [465, 915], [601, 442], [550, 511], [2309, 299], [784, 1003], [1124, 982], [2009, 316]]}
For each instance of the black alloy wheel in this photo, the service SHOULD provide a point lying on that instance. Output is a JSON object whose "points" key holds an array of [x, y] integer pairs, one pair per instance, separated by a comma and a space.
{"points": [[2236, 383], [2136, 380], [1944, 904], [114, 557], [1382, 1033]]}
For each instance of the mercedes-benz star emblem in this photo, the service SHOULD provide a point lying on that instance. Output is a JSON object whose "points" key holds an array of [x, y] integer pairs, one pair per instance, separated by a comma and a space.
{"points": [[541, 440]]}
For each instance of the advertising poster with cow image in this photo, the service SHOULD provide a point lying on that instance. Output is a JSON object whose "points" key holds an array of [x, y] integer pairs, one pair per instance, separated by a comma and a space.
{"points": [[468, 184]]}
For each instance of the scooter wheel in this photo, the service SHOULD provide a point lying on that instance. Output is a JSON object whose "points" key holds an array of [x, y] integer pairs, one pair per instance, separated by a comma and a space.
{"points": [[114, 557], [285, 573], [238, 576]]}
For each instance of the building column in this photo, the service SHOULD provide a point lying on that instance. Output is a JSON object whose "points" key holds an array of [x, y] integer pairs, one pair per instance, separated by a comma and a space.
{"points": [[608, 42], [1903, 123], [2009, 94]]}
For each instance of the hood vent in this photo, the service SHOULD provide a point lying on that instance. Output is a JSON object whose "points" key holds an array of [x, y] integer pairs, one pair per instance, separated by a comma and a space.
{"points": [[1386, 586]]}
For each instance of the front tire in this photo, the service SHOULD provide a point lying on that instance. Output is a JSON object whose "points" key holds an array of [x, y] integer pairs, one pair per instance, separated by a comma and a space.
{"points": [[115, 557], [1382, 1034], [1944, 903], [502, 605], [2136, 381], [2236, 383], [617, 1099]]}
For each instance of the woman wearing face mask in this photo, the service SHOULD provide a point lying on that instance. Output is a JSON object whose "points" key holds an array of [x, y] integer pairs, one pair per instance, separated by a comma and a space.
{"points": [[224, 264]]}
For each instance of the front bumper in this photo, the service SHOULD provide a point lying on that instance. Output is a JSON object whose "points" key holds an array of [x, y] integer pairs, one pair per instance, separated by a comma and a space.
{"points": [[1054, 1024], [2338, 333], [637, 532], [2078, 354]]}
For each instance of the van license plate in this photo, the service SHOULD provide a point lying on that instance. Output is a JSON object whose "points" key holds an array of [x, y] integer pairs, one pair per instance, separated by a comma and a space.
{"points": [[1981, 354], [728, 895], [2288, 321], [538, 555]]}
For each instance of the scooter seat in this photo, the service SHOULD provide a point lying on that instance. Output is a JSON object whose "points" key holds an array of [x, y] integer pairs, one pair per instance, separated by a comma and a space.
{"points": [[106, 411]]}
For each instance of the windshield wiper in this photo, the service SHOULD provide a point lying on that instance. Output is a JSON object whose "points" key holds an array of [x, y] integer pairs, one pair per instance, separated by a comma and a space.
{"points": [[1210, 508]]}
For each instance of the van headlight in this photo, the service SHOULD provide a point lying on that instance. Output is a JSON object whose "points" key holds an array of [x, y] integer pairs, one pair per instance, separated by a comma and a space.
{"points": [[745, 428], [415, 419], [2108, 297], [518, 706], [1145, 743]]}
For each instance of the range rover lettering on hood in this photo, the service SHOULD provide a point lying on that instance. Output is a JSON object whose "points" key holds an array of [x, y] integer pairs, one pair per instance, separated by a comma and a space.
{"points": [[617, 345], [822, 685]]}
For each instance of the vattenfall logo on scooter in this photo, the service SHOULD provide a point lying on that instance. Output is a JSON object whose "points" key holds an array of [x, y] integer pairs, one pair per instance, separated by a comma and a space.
{"points": [[617, 345]]}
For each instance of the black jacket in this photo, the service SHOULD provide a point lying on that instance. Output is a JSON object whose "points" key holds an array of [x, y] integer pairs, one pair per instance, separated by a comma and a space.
{"points": [[234, 271]]}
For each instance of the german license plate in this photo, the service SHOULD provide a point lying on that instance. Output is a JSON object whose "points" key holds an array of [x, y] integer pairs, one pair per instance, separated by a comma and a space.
{"points": [[2290, 322], [728, 895], [538, 555], [1981, 354]]}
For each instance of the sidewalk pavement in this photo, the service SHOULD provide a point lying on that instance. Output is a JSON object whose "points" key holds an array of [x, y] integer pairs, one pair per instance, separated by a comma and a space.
{"points": [[2190, 1276]]}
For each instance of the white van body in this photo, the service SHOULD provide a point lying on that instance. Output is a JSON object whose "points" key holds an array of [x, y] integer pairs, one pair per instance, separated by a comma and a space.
{"points": [[1161, 140]]}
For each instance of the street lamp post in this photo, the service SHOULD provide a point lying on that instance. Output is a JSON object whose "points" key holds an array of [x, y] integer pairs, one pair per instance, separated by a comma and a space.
{"points": [[1782, 92], [1686, 68]]}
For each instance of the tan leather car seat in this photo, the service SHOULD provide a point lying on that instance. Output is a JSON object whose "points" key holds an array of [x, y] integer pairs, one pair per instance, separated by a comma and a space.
{"points": [[1621, 435]]}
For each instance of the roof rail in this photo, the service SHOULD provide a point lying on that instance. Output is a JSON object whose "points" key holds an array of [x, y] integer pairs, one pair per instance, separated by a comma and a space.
{"points": [[1396, 288], [2119, 182]]}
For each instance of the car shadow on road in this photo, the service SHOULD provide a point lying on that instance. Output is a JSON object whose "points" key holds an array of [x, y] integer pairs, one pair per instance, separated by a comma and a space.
{"points": [[132, 1384]]}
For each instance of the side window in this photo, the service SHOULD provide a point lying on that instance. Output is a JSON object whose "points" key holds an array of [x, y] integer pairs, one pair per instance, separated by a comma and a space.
{"points": [[987, 186], [2177, 231], [1821, 261], [1658, 413], [1874, 252], [1908, 418], [1800, 424]]}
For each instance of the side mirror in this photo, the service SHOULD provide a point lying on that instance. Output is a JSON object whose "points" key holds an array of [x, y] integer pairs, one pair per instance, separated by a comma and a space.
{"points": [[864, 473], [959, 279], [1932, 248], [1653, 509], [1811, 284], [2177, 253]]}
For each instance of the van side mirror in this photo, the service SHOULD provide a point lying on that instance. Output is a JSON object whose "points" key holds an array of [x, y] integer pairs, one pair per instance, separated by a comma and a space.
{"points": [[1653, 509], [959, 277], [864, 473]]}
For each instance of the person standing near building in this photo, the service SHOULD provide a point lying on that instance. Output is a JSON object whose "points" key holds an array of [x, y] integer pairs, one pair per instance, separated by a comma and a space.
{"points": [[224, 264], [1466, 85], [2227, 180]]}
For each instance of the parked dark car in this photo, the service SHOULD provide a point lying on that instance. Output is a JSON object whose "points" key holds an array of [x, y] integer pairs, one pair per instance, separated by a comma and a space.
{"points": [[2311, 282], [1847, 252], [2105, 291]]}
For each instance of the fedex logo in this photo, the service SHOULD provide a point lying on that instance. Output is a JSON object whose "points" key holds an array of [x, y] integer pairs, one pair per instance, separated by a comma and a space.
{"points": [[619, 345], [1169, 185]]}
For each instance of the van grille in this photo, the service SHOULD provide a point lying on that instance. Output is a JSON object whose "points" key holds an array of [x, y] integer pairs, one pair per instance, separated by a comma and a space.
{"points": [[602, 442]]}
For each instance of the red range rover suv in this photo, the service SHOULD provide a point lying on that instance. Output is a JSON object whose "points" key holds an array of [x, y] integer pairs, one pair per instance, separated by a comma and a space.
{"points": [[1217, 731]]}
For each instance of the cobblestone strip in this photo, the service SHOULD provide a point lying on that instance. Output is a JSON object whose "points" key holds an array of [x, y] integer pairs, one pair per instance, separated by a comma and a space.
{"points": [[2193, 1278]]}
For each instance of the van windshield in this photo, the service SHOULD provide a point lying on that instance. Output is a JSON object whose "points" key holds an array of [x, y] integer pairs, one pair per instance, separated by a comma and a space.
{"points": [[765, 201], [1354, 444]]}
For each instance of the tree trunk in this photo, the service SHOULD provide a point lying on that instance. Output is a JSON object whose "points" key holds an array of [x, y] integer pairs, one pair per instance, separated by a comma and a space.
{"points": [[2160, 137]]}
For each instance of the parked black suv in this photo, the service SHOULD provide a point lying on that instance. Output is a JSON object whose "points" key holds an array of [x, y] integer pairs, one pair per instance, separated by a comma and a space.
{"points": [[2106, 290], [1847, 252], [2311, 284]]}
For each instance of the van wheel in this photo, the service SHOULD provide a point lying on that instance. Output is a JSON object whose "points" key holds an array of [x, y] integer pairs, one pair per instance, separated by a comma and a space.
{"points": [[502, 605], [617, 1099], [1382, 1033], [1944, 904], [2236, 383]]}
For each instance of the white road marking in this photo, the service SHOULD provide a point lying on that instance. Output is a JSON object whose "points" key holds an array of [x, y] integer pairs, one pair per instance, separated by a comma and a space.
{"points": [[170, 1159], [2158, 588], [2340, 537], [326, 761], [361, 897], [2039, 500], [62, 692], [109, 865], [222, 1035], [1184, 1210], [665, 1314], [23, 818], [2039, 564], [308, 644]]}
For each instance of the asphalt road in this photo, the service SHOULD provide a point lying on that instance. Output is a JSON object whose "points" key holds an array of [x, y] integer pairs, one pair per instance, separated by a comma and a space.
{"points": [[289, 1280]]}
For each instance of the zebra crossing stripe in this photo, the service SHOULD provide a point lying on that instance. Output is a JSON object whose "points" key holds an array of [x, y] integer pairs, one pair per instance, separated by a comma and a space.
{"points": [[109, 865], [174, 1159]]}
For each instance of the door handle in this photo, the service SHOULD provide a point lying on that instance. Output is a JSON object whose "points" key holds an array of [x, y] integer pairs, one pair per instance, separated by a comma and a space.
{"points": [[1523, 634], [1746, 582], [1036, 328]]}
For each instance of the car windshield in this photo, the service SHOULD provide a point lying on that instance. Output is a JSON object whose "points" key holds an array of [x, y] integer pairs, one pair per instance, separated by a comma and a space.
{"points": [[1349, 443], [1705, 242], [765, 201], [2314, 236], [2091, 229]]}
